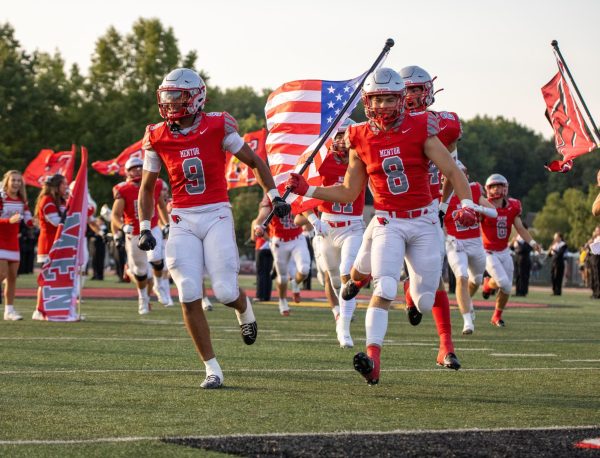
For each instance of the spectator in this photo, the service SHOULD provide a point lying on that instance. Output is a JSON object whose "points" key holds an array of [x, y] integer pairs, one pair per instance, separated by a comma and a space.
{"points": [[264, 266], [557, 252], [595, 264], [596, 204], [522, 252]]}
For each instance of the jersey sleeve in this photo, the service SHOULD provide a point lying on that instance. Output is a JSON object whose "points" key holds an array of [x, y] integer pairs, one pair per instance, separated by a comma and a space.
{"points": [[433, 124], [117, 192], [232, 141]]}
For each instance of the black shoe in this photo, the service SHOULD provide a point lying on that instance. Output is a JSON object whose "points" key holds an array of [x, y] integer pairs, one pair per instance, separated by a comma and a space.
{"points": [[499, 323], [414, 316], [349, 290], [211, 382], [485, 294], [249, 332], [365, 366], [450, 361]]}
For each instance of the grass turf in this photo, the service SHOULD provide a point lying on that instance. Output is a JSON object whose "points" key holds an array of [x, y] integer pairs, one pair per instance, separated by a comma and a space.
{"points": [[119, 375]]}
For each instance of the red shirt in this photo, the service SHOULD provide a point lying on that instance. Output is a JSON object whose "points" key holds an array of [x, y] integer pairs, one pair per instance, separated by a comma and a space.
{"points": [[283, 228], [395, 161], [195, 162], [9, 232], [47, 229], [129, 191], [450, 132], [453, 227], [333, 170], [496, 231]]}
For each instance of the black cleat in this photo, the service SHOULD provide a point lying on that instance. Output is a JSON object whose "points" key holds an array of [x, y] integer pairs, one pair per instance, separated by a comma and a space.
{"points": [[499, 323], [211, 382], [485, 294], [365, 366], [450, 361], [414, 316], [349, 290], [249, 332]]}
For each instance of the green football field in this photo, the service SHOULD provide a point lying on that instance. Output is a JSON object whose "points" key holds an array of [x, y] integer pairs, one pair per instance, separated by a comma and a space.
{"points": [[117, 383]]}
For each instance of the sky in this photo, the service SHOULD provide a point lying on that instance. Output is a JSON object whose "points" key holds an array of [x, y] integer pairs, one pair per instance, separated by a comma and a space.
{"points": [[490, 57]]}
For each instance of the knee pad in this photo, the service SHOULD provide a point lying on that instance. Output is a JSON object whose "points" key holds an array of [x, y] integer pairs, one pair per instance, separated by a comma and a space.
{"points": [[336, 281], [424, 302], [477, 279], [226, 292], [189, 290], [158, 266], [506, 287], [282, 279], [386, 288], [304, 269], [140, 277]]}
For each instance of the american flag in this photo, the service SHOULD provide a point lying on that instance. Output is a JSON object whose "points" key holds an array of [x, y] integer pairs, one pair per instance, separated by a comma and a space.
{"points": [[298, 115]]}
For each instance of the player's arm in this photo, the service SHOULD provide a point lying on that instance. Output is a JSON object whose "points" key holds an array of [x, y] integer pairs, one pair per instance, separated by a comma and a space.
{"points": [[347, 192], [116, 219], [437, 152], [258, 229], [524, 233], [146, 197], [258, 166], [163, 214]]}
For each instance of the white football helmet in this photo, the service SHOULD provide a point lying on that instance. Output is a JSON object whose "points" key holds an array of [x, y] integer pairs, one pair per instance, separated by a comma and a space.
{"points": [[182, 93], [338, 145], [133, 168], [414, 75], [383, 81], [497, 193]]}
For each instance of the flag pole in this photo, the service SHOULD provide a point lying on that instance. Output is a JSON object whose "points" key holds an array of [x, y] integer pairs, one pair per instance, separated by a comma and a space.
{"points": [[386, 49], [554, 44]]}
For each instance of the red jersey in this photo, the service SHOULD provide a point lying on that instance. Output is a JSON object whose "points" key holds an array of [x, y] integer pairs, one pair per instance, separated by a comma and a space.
{"points": [[496, 231], [9, 232], [395, 161], [196, 161], [283, 228], [333, 171], [450, 132], [129, 191], [453, 227], [47, 229]]}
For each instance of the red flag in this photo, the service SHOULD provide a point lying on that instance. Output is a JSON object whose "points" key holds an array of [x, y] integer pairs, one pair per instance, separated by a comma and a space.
{"points": [[572, 136], [58, 279], [239, 174], [117, 165], [48, 163]]}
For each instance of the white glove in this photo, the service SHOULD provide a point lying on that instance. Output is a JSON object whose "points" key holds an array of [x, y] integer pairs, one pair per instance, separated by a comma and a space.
{"points": [[321, 227], [127, 228]]}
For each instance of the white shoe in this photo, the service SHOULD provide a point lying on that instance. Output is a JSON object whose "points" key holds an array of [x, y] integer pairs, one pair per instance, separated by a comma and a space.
{"points": [[206, 305], [37, 315], [284, 308], [468, 330], [12, 316], [161, 295], [143, 306], [166, 289], [344, 339]]}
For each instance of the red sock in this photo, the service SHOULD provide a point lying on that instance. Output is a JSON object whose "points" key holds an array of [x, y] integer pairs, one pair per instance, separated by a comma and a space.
{"points": [[374, 352], [497, 315], [407, 298], [441, 316], [362, 283]]}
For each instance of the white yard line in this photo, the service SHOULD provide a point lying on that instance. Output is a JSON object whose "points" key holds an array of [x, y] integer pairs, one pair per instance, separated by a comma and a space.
{"points": [[284, 435], [523, 355]]}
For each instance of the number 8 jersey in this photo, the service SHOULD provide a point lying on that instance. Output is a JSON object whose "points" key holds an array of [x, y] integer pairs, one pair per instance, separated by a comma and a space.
{"points": [[195, 159], [395, 160], [496, 231]]}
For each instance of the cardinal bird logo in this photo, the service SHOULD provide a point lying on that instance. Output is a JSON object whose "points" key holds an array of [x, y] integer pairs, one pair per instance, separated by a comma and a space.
{"points": [[176, 218], [383, 221]]}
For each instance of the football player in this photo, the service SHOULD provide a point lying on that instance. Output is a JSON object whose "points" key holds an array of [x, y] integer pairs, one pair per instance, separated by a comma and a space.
{"points": [[392, 150], [125, 218], [496, 233], [192, 146]]}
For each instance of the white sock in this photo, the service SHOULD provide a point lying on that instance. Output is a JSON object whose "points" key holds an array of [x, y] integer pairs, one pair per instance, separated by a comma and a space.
{"points": [[206, 302], [9, 308], [346, 311], [213, 368], [376, 322], [295, 286], [283, 304], [248, 315], [468, 319], [336, 311], [143, 293]]}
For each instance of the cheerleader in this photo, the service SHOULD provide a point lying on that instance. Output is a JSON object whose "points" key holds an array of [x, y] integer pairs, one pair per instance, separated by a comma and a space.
{"points": [[13, 209]]}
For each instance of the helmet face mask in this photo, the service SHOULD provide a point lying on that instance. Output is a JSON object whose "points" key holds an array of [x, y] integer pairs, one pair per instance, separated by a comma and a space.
{"points": [[383, 96], [415, 77], [338, 145], [181, 94], [496, 186]]}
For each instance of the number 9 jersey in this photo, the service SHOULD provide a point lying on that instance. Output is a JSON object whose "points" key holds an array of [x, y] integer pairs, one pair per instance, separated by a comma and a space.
{"points": [[496, 231], [195, 158]]}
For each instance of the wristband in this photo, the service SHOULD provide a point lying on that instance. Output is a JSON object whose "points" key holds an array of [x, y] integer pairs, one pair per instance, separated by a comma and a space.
{"points": [[532, 243], [311, 191], [312, 218], [272, 193], [443, 207], [467, 203], [145, 225]]}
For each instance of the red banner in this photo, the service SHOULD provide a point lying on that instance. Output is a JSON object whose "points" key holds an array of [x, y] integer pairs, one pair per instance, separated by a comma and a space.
{"points": [[59, 278], [117, 165], [48, 163], [239, 174], [572, 136]]}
